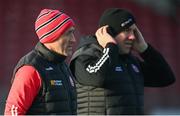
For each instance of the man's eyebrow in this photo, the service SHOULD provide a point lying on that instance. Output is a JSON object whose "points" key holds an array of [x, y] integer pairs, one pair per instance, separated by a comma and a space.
{"points": [[71, 30]]}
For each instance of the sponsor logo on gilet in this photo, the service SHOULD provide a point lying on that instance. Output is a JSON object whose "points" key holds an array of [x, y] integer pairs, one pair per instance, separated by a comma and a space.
{"points": [[56, 82]]}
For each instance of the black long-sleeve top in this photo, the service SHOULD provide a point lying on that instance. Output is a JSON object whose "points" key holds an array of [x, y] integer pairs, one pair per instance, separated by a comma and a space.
{"points": [[154, 67]]}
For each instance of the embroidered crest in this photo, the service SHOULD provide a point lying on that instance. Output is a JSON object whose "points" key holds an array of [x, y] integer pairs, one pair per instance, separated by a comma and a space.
{"points": [[135, 68]]}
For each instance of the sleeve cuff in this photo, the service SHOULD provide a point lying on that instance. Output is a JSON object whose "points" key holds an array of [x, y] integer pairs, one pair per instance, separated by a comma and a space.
{"points": [[149, 51], [113, 47]]}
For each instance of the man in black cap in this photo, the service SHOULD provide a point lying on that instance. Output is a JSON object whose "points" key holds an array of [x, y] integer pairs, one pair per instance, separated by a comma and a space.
{"points": [[110, 80]]}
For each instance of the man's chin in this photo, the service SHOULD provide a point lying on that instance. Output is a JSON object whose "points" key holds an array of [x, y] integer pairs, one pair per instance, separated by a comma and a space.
{"points": [[69, 53], [125, 51]]}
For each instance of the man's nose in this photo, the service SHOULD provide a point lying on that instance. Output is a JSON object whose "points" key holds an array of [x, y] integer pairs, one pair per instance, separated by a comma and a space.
{"points": [[131, 36]]}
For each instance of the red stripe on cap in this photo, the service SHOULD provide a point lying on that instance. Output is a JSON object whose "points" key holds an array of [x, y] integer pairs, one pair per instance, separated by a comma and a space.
{"points": [[56, 34], [47, 22], [46, 17]]}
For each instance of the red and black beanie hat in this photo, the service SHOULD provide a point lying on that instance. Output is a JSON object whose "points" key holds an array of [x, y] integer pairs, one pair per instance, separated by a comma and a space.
{"points": [[51, 24]]}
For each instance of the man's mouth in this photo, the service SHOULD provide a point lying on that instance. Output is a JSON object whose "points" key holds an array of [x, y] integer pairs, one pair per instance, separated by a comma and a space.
{"points": [[128, 44]]}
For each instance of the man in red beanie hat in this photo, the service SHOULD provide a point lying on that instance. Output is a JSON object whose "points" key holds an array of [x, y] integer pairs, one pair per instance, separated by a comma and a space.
{"points": [[42, 82], [110, 79]]}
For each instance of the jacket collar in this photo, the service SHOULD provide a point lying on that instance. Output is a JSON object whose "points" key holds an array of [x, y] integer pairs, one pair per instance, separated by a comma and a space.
{"points": [[90, 39], [48, 54]]}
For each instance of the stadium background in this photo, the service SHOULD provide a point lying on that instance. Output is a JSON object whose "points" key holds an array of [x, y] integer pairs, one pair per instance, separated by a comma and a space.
{"points": [[158, 20]]}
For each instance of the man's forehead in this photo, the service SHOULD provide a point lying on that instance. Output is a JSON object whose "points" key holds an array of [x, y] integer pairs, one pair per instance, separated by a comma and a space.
{"points": [[133, 26], [71, 29]]}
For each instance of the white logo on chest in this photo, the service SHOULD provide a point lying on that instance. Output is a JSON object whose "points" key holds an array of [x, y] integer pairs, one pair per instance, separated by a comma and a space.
{"points": [[49, 68], [56, 82], [118, 69]]}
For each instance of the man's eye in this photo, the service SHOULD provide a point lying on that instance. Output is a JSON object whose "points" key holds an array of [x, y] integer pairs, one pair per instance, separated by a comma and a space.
{"points": [[70, 32], [127, 30]]}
